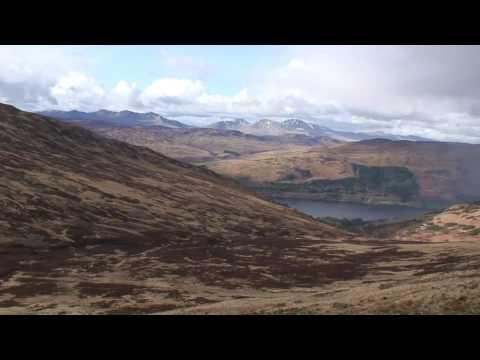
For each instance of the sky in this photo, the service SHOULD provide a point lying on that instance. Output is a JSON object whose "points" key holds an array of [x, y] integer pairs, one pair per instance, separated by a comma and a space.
{"points": [[429, 91]]}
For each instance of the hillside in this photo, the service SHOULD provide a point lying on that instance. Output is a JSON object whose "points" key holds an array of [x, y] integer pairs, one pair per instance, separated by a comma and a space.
{"points": [[394, 171], [425, 266], [79, 206], [63, 184]]}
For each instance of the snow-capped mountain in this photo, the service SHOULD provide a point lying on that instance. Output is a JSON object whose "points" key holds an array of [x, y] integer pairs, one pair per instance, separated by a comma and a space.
{"points": [[297, 126], [266, 124], [230, 124]]}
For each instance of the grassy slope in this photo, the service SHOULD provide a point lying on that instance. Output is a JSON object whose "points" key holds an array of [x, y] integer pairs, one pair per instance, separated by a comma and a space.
{"points": [[65, 184]]}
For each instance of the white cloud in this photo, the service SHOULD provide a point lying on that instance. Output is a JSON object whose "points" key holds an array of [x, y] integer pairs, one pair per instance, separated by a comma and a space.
{"points": [[28, 72], [406, 90], [241, 97], [123, 96], [78, 91], [171, 91], [42, 64], [418, 87], [124, 89]]}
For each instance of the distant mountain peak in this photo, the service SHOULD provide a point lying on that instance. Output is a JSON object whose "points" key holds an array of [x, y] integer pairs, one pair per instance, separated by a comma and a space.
{"points": [[131, 112], [266, 124], [378, 141], [230, 124], [299, 126], [296, 124], [111, 118], [103, 112]]}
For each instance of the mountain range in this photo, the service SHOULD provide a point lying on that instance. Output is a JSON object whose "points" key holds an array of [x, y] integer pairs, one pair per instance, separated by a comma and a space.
{"points": [[182, 142], [297, 126], [110, 118], [262, 127]]}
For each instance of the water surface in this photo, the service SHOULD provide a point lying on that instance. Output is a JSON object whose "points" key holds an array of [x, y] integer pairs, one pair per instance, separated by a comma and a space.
{"points": [[319, 208]]}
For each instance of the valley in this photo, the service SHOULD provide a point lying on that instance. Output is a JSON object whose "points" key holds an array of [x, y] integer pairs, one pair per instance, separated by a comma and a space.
{"points": [[94, 225], [298, 160], [232, 178]]}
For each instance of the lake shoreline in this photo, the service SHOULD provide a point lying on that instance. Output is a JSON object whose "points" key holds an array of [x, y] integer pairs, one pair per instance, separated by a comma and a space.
{"points": [[421, 204], [348, 210]]}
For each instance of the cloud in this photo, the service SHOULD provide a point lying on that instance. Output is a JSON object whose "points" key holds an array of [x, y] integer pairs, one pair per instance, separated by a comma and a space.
{"points": [[385, 78], [123, 96], [124, 89], [407, 90], [426, 89], [78, 91], [170, 90], [28, 72]]}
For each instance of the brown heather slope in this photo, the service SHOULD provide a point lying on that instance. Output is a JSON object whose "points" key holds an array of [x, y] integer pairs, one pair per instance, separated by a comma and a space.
{"points": [[426, 266], [70, 199], [202, 144], [444, 171], [62, 184], [90, 225]]}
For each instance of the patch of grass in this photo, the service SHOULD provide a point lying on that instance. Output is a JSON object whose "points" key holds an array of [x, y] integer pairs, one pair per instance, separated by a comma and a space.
{"points": [[289, 311], [231, 152], [475, 232], [434, 227], [451, 224], [385, 286], [341, 306]]}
